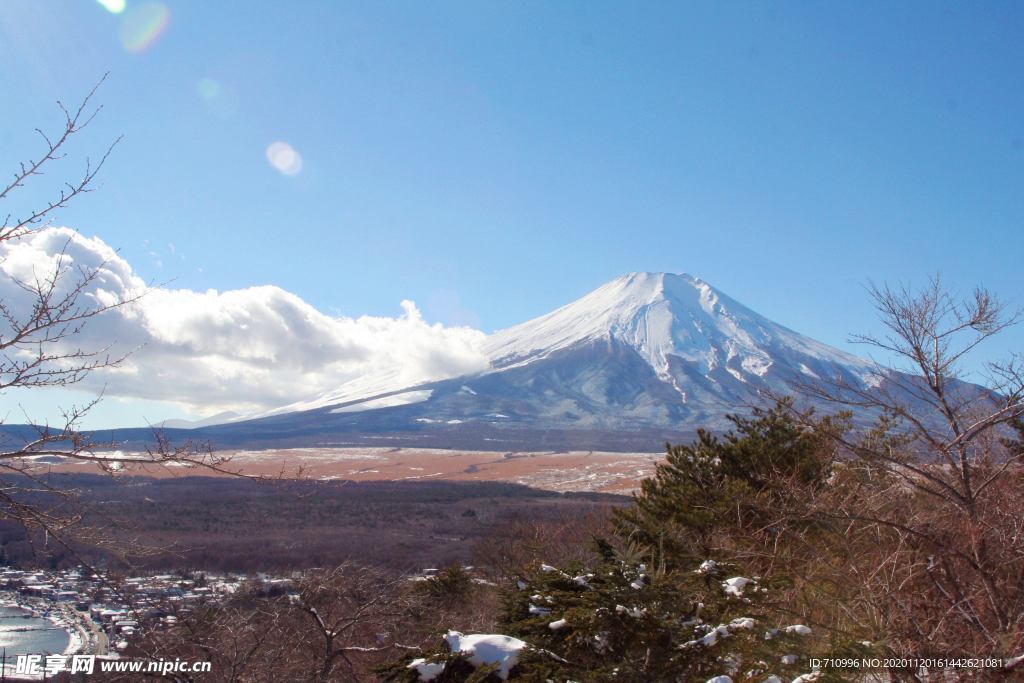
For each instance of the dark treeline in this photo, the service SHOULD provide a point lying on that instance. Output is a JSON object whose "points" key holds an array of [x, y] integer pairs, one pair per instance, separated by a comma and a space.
{"points": [[227, 524]]}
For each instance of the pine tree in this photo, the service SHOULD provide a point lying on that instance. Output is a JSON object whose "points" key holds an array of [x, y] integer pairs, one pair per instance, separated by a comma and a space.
{"points": [[666, 602], [711, 496], [620, 622]]}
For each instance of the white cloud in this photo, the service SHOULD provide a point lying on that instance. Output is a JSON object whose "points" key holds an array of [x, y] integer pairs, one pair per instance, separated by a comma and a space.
{"points": [[245, 350]]}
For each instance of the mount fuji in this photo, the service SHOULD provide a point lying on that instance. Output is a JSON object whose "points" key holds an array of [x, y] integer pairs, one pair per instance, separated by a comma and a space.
{"points": [[645, 358]]}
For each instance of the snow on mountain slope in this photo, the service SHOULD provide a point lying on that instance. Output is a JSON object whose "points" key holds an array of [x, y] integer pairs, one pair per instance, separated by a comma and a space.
{"points": [[662, 315], [357, 390], [219, 418], [389, 401]]}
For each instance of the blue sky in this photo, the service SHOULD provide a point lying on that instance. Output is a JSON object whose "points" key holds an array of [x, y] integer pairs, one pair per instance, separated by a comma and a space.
{"points": [[492, 161]]}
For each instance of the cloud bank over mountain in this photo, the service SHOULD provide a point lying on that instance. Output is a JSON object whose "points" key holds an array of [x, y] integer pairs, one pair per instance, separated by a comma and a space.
{"points": [[244, 349]]}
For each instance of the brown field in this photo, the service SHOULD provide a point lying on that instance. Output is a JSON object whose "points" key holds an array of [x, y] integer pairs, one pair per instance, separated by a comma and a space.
{"points": [[595, 471], [395, 507]]}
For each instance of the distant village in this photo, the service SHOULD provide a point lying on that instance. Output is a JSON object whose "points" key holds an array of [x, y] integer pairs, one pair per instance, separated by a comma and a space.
{"points": [[102, 613]]}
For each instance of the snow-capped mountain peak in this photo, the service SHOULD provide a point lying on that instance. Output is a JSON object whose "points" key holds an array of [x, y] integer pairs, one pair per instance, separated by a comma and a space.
{"points": [[661, 316]]}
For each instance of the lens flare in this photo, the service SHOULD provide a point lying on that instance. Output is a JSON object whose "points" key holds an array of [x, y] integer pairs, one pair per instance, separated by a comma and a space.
{"points": [[142, 25], [284, 158], [112, 6]]}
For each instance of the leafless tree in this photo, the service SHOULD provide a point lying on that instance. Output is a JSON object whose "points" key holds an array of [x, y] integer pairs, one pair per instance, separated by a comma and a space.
{"points": [[514, 546], [41, 346], [333, 624], [933, 496]]}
